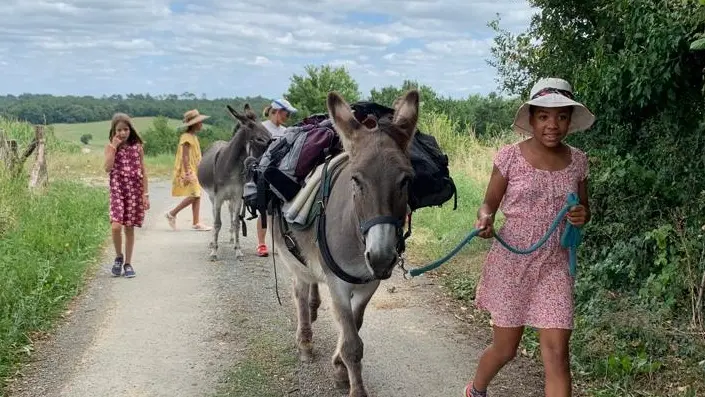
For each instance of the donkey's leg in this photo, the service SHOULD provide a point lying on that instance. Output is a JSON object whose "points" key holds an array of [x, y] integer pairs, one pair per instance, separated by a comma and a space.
{"points": [[348, 354], [304, 334], [217, 203], [314, 301], [231, 211], [361, 297], [235, 207]]}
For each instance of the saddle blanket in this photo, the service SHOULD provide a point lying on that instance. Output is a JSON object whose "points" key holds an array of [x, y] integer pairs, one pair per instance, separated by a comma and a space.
{"points": [[297, 210]]}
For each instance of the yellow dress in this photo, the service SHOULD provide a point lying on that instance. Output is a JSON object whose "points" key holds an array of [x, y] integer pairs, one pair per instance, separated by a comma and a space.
{"points": [[178, 187]]}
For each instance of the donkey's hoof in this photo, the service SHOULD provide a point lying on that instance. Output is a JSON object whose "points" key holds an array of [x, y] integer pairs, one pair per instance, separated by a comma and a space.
{"points": [[340, 376], [306, 352], [357, 393], [239, 254], [213, 257]]}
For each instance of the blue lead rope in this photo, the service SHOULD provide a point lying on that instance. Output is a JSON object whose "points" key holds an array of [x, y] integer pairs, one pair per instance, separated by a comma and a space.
{"points": [[570, 239]]}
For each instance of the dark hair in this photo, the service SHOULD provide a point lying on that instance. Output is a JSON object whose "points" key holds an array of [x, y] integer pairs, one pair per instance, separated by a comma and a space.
{"points": [[532, 109], [133, 138], [191, 127]]}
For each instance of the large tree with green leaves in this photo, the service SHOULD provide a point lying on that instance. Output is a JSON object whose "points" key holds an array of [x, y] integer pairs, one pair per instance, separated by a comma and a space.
{"points": [[308, 92]]}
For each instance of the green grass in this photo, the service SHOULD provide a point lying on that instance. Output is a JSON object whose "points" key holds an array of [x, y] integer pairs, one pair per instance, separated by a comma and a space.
{"points": [[268, 368], [48, 240], [46, 246], [100, 129]]}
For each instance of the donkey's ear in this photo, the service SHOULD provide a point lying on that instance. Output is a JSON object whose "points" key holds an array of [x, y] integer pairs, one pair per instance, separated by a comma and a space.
{"points": [[406, 115], [343, 119], [249, 113], [235, 115]]}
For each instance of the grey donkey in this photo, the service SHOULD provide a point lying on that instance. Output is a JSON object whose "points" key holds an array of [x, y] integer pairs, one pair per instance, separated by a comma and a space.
{"points": [[222, 172], [365, 215]]}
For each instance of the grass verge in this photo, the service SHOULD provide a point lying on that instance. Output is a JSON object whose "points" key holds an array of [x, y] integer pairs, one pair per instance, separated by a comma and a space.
{"points": [[47, 242]]}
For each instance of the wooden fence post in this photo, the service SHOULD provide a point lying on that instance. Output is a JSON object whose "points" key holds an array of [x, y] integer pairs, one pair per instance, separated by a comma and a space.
{"points": [[8, 152], [39, 177]]}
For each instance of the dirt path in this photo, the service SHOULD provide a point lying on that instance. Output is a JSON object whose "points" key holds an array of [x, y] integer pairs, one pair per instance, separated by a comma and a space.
{"points": [[189, 327]]}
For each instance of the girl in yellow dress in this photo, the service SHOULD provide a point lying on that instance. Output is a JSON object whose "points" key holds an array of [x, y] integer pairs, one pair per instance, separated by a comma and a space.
{"points": [[185, 182]]}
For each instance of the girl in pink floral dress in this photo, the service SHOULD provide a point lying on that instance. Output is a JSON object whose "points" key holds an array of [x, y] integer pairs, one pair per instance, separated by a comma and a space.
{"points": [[129, 197], [531, 179]]}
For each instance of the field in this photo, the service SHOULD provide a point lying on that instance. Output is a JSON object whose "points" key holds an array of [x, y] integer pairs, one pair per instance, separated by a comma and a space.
{"points": [[99, 130]]}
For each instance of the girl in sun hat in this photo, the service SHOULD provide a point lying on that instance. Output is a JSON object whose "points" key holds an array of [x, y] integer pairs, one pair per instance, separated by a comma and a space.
{"points": [[185, 182], [531, 179], [277, 113]]}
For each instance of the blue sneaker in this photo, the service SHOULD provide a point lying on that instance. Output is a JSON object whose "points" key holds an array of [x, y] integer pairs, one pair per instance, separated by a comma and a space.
{"points": [[129, 271], [117, 266]]}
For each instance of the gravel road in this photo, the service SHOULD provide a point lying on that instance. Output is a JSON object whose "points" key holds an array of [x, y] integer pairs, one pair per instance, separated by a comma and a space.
{"points": [[186, 326]]}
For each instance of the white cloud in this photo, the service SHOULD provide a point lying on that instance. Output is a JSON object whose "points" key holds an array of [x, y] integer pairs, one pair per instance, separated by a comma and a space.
{"points": [[234, 47]]}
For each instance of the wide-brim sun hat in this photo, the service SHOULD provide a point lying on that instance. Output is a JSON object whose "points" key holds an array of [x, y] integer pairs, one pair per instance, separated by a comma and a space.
{"points": [[192, 117], [283, 104], [553, 93]]}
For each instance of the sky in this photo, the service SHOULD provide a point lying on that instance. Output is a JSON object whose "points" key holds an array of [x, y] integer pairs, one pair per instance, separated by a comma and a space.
{"points": [[230, 48]]}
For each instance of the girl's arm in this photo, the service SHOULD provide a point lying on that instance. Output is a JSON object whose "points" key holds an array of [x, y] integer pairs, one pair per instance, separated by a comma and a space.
{"points": [[145, 181], [110, 151], [185, 160], [493, 197], [584, 199], [494, 194]]}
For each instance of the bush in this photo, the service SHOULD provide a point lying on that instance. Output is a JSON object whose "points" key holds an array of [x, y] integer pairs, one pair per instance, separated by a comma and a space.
{"points": [[86, 138], [160, 138]]}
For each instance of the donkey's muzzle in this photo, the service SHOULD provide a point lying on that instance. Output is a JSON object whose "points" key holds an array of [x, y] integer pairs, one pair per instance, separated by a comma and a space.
{"points": [[380, 249]]}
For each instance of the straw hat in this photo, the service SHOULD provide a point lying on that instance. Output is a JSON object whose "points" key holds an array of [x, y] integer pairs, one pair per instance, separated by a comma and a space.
{"points": [[553, 93], [192, 117]]}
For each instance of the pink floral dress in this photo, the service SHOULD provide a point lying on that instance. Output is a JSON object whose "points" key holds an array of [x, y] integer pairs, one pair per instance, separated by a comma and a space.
{"points": [[126, 186], [534, 290]]}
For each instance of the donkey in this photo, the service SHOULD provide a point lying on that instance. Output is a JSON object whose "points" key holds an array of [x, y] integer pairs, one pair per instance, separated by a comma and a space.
{"points": [[221, 172], [364, 218]]}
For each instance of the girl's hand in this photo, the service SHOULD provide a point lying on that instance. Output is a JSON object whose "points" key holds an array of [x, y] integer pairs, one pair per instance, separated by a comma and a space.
{"points": [[188, 177], [486, 224], [577, 215], [116, 141], [145, 201]]}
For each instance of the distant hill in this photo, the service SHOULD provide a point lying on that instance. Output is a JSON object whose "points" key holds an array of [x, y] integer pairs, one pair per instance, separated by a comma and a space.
{"points": [[50, 109]]}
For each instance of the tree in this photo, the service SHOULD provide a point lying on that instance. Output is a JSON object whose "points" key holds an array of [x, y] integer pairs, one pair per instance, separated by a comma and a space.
{"points": [[387, 95], [309, 92]]}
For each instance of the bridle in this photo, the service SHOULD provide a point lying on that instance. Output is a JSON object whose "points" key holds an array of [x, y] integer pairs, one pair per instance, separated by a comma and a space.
{"points": [[328, 179]]}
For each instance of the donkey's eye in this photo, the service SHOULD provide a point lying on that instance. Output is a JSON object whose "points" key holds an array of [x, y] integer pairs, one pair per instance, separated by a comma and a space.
{"points": [[405, 182], [356, 182]]}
